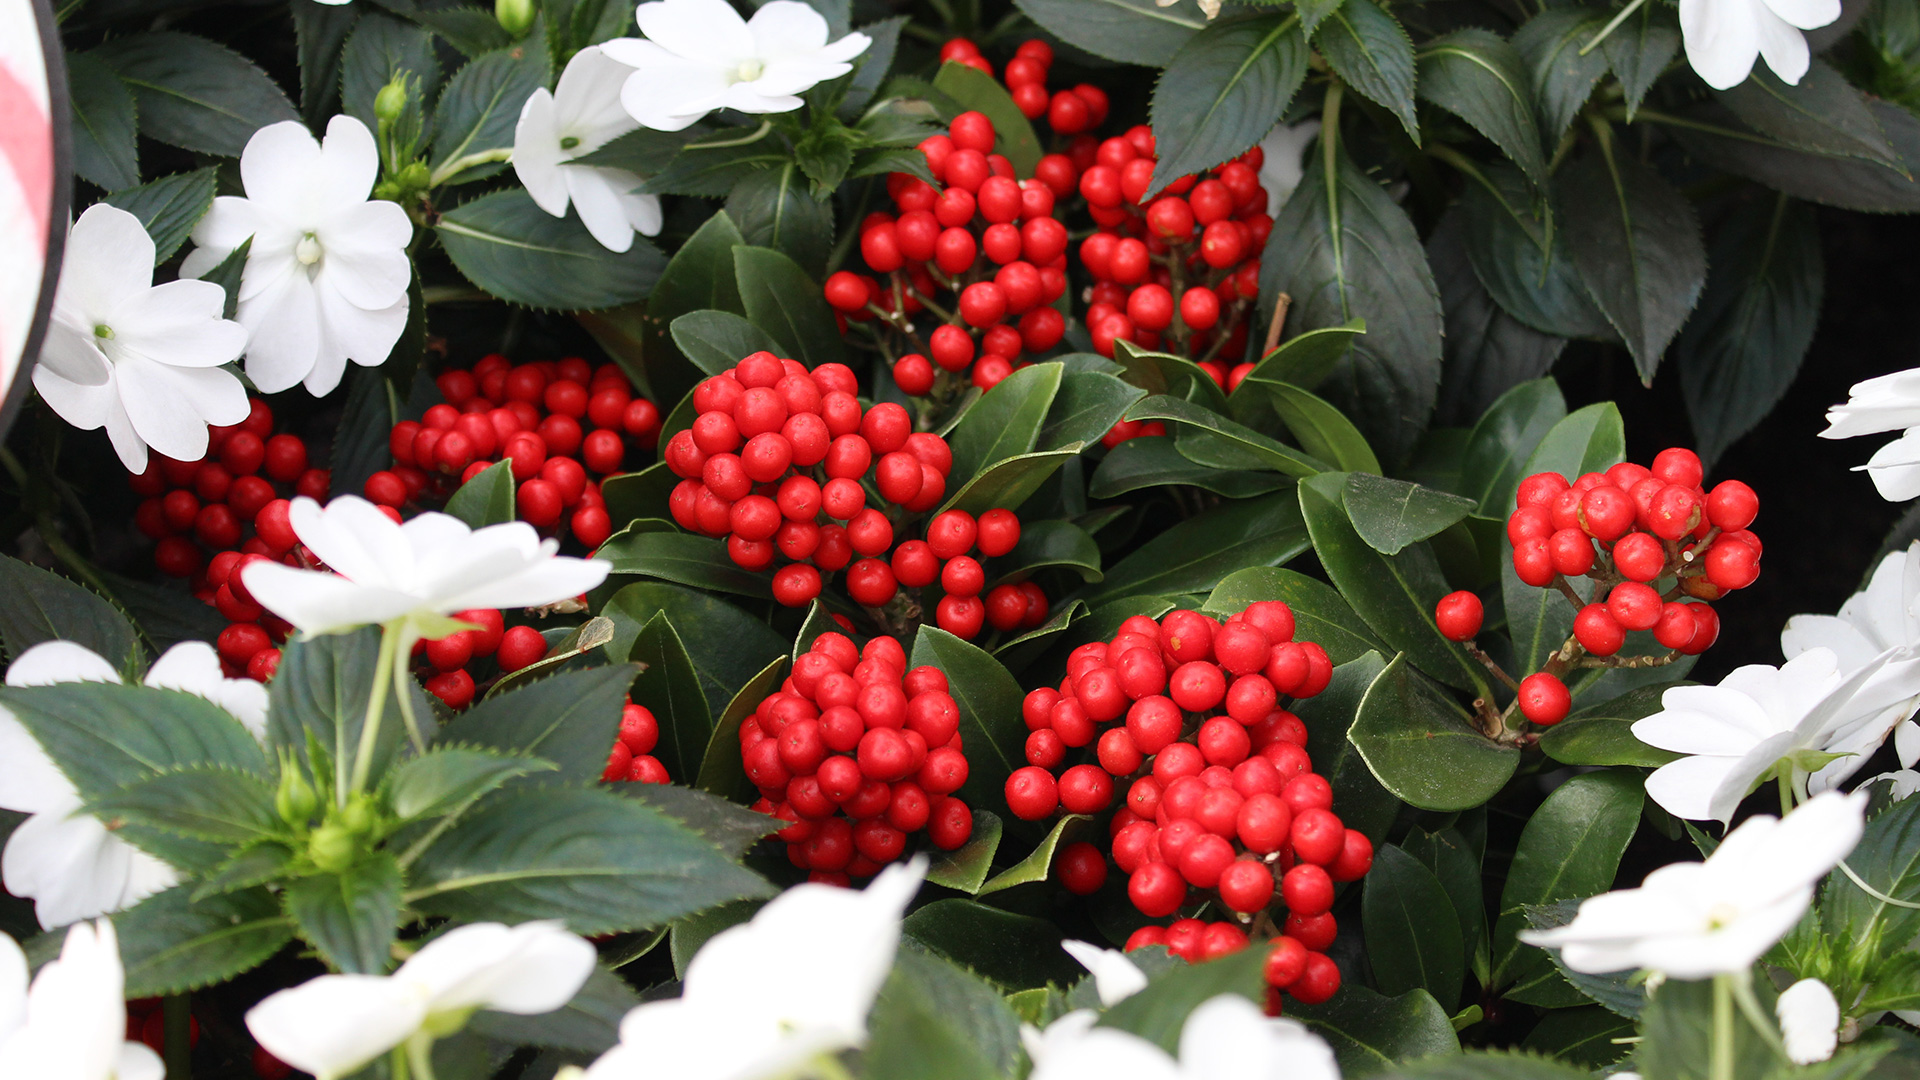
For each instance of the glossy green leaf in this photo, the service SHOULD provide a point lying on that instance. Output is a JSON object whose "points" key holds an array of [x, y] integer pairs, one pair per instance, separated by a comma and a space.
{"points": [[672, 691], [444, 777], [219, 803], [1483, 80], [1412, 930], [1039, 864], [1487, 350], [1585, 1037], [1224, 90], [507, 245], [783, 300], [1151, 461], [1196, 554], [1888, 859], [1009, 482], [934, 1020], [1603, 734], [965, 868], [684, 559], [1723, 142], [1158, 1012], [39, 605], [721, 770], [1486, 1065], [1358, 796], [351, 917], [1592, 439], [1554, 45], [1086, 407], [570, 719], [487, 499], [1504, 439], [1044, 545], [1016, 952], [1226, 444], [105, 147], [168, 208], [1321, 430], [641, 494], [976, 90], [725, 824], [1319, 613], [1569, 850], [476, 113], [1517, 246], [1538, 620], [1165, 373], [321, 30], [1372, 53], [989, 701], [1395, 594], [728, 647], [1391, 514], [170, 945], [1458, 866], [1371, 1034], [774, 209], [1006, 421], [1418, 742], [1638, 249], [700, 275], [193, 93], [1129, 31], [717, 340], [1307, 359]]}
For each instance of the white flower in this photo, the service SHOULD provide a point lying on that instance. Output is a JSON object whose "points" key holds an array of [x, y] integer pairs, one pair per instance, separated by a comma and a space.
{"points": [[71, 1024], [764, 998], [1725, 37], [1885, 615], [332, 1025], [69, 863], [142, 361], [583, 114], [326, 277], [1225, 1038], [1809, 1021], [699, 55], [1280, 165], [1887, 403], [1905, 782], [1114, 976], [431, 566], [1695, 919], [1761, 718]]}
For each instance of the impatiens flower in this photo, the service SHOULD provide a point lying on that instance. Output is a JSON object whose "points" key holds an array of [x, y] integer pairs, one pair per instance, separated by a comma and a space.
{"points": [[1225, 1038], [1280, 166], [1803, 718], [326, 276], [764, 998], [142, 361], [61, 857], [335, 1024], [1695, 919], [1888, 403], [1885, 615], [1809, 1021], [1114, 976], [431, 566], [1725, 37], [699, 55], [71, 1024], [580, 116]]}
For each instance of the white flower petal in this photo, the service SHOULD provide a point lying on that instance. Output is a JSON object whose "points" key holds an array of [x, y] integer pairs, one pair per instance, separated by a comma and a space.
{"points": [[178, 324], [537, 154], [600, 206], [108, 260], [278, 166], [710, 31], [333, 1025], [72, 352], [1809, 1021], [586, 102], [1885, 403], [1783, 46], [1721, 39], [1114, 976], [283, 325], [193, 666], [85, 407], [225, 226], [528, 969], [670, 95], [319, 603]]}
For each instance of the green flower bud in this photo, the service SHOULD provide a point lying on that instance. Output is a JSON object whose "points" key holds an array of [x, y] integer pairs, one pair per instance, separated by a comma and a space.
{"points": [[515, 16], [391, 101], [359, 816], [295, 800], [332, 847], [415, 176]]}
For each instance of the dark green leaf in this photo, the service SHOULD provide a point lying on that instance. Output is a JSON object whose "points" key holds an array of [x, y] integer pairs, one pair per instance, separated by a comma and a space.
{"points": [[1008, 483], [1520, 255], [699, 277], [1006, 421], [1362, 803], [640, 494], [170, 945], [936, 1021], [989, 701], [728, 826], [774, 209], [1087, 406], [721, 770], [381, 48], [1196, 554], [588, 1024], [361, 442], [782, 300], [168, 208], [1483, 80], [507, 245], [165, 612], [321, 31], [1639, 51], [1603, 734], [255, 865], [728, 647], [1151, 461], [1224, 90], [321, 690], [194, 94], [1583, 1036], [1888, 859], [1130, 31], [685, 560], [38, 605], [1678, 1035], [1391, 514], [1048, 544], [1321, 429], [873, 64], [1417, 741], [205, 802], [1344, 250], [1039, 863], [563, 645], [1014, 951], [487, 499], [1371, 1034], [672, 691], [1487, 1065], [1306, 360], [1570, 850], [1216, 441], [1487, 350], [1741, 351], [1552, 44], [1457, 866], [477, 111], [1620, 993], [1174, 376], [1637, 248], [105, 151], [1504, 439], [444, 777], [1158, 1012], [717, 340], [602, 862], [1395, 594], [965, 868], [713, 167], [1319, 613], [1538, 620], [976, 90], [1714, 135], [1368, 49], [227, 275], [107, 737], [1822, 113], [350, 917], [472, 30], [1413, 932]]}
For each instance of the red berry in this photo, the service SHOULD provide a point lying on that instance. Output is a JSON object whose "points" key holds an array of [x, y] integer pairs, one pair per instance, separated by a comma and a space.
{"points": [[1032, 793], [1544, 698], [1082, 869], [1639, 557], [519, 647], [1157, 889], [1634, 605], [1598, 631], [1458, 616], [1732, 505]]}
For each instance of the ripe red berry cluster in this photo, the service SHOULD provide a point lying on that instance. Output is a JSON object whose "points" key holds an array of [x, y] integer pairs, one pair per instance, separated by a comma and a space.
{"points": [[563, 424], [1220, 795], [944, 558], [1655, 544], [983, 252], [632, 757], [448, 662], [1179, 272], [1069, 112], [858, 753]]}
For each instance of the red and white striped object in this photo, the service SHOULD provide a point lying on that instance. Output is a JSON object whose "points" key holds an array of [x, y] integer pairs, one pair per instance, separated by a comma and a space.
{"points": [[30, 180]]}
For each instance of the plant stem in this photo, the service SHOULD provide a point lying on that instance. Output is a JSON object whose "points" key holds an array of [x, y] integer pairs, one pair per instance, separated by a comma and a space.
{"points": [[370, 727], [1612, 26], [1786, 793], [420, 1055], [177, 1016], [403, 690], [1756, 1016], [1720, 1059]]}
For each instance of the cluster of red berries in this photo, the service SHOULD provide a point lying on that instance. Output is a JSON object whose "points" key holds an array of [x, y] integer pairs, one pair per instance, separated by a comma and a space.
{"points": [[943, 558], [448, 661], [1221, 792], [561, 423], [1069, 112], [632, 757], [1652, 540], [984, 244], [857, 753]]}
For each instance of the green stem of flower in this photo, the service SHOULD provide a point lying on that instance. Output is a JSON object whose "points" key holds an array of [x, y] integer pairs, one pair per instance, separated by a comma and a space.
{"points": [[177, 1016], [1625, 13], [718, 144], [1786, 792], [1720, 1055], [397, 1064], [461, 164], [403, 688], [1756, 1016], [420, 1055], [1873, 892], [370, 727]]}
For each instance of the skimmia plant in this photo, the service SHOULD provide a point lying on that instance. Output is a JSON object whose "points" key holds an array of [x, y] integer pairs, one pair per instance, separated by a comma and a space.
{"points": [[973, 538]]}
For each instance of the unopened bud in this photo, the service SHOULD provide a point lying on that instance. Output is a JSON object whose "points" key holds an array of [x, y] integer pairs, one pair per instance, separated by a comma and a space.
{"points": [[295, 800], [515, 16], [358, 816], [332, 847], [391, 101], [415, 175]]}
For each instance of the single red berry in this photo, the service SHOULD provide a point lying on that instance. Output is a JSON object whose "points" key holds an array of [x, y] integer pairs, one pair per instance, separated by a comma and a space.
{"points": [[1458, 615], [519, 647], [1598, 631], [1732, 505], [1544, 698], [1634, 605], [1639, 557]]}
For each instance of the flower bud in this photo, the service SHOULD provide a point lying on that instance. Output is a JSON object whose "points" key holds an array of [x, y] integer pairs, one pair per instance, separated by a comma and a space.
{"points": [[332, 847], [515, 16], [295, 801], [391, 101], [358, 815], [415, 176]]}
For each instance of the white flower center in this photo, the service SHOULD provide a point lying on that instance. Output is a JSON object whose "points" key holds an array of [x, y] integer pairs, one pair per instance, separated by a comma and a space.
{"points": [[569, 142], [1721, 916], [748, 70], [103, 331], [308, 250]]}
